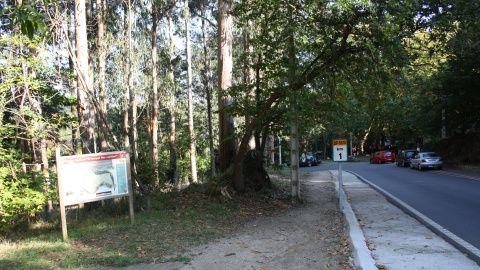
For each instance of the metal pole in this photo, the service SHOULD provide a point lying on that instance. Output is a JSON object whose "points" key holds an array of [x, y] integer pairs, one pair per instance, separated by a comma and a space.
{"points": [[340, 185], [351, 149], [279, 150]]}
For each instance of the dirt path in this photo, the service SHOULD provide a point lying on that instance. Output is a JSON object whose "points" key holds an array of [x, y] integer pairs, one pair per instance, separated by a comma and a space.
{"points": [[310, 236]]}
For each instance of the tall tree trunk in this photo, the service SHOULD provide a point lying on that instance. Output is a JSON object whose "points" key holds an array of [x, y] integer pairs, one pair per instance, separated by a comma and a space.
{"points": [[86, 116], [208, 87], [133, 101], [295, 181], [364, 139], [248, 78], [101, 6], [73, 87], [154, 113], [172, 172], [91, 48], [126, 94], [193, 144], [227, 144]]}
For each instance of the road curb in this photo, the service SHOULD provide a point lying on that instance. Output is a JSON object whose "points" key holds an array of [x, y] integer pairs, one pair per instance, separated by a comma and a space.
{"points": [[362, 257], [450, 237]]}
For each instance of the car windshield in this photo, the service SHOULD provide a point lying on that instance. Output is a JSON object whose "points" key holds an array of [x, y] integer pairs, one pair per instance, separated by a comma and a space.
{"points": [[409, 154], [430, 155]]}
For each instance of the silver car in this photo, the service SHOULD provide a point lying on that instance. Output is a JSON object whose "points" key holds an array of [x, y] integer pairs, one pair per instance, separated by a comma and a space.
{"points": [[425, 160]]}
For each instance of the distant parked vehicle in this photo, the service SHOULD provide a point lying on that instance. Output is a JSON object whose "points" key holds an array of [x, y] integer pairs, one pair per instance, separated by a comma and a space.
{"points": [[318, 156], [382, 157], [403, 158], [307, 161], [426, 160]]}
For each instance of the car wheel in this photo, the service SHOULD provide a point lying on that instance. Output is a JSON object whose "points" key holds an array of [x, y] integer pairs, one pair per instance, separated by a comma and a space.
{"points": [[379, 161], [440, 167], [309, 164], [420, 167]]}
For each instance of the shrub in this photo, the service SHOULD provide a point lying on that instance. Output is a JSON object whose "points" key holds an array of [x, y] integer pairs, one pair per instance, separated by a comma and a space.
{"points": [[21, 195]]}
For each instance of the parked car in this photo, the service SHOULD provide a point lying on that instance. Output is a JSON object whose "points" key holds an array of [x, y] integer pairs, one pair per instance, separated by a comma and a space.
{"points": [[307, 161], [403, 158], [425, 160], [382, 157], [318, 156]]}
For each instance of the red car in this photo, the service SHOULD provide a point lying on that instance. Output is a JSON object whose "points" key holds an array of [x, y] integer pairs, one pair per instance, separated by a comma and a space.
{"points": [[382, 157]]}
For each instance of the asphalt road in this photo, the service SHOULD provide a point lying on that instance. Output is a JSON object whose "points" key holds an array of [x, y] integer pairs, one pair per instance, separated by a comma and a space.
{"points": [[451, 201]]}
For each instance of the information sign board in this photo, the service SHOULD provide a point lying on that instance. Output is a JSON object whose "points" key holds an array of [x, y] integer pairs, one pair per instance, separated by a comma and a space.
{"points": [[340, 150], [87, 178]]}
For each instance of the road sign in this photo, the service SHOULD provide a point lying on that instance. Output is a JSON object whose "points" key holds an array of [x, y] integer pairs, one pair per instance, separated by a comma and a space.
{"points": [[340, 150]]}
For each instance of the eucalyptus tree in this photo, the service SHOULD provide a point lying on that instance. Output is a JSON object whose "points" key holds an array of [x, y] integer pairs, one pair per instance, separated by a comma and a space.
{"points": [[207, 85], [171, 89], [163, 8], [86, 116], [193, 144], [153, 127], [101, 6], [227, 145]]}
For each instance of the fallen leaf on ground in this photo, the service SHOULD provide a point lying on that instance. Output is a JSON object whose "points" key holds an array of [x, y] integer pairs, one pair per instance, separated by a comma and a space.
{"points": [[230, 254]]}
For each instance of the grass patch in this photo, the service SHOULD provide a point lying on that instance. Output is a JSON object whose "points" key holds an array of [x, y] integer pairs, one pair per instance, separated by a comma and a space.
{"points": [[166, 226]]}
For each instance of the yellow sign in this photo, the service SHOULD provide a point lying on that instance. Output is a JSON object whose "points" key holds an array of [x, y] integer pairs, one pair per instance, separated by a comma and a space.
{"points": [[339, 142]]}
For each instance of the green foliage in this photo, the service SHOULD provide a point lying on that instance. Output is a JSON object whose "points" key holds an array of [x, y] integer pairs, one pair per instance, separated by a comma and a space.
{"points": [[31, 110], [29, 19], [21, 195]]}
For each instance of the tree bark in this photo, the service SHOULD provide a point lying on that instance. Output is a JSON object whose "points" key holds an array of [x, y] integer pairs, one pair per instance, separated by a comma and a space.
{"points": [[227, 144], [208, 87], [154, 113], [126, 94], [86, 111], [238, 179], [172, 172], [73, 88], [103, 134], [193, 151], [295, 181], [248, 78], [133, 101]]}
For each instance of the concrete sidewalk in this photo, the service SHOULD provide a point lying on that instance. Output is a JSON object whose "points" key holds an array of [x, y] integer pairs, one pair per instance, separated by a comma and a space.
{"points": [[385, 237]]}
